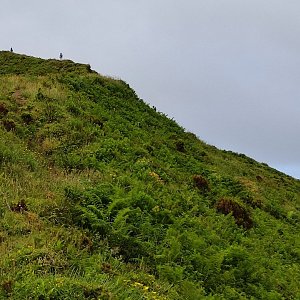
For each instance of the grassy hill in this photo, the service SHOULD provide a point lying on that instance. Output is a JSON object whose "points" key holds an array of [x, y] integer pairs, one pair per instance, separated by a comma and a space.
{"points": [[103, 197]]}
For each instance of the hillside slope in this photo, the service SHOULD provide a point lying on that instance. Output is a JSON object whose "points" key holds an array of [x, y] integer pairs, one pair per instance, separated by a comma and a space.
{"points": [[102, 197]]}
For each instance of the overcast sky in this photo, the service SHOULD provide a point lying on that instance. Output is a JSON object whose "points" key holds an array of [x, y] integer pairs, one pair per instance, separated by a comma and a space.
{"points": [[227, 70]]}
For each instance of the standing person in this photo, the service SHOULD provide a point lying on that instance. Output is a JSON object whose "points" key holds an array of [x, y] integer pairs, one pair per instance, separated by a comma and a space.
{"points": [[11, 50], [60, 56]]}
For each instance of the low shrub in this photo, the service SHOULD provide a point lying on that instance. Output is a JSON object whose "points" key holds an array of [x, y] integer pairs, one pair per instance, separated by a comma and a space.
{"points": [[259, 178], [9, 125], [180, 146], [27, 118], [20, 206], [201, 183], [238, 210], [3, 109], [7, 286]]}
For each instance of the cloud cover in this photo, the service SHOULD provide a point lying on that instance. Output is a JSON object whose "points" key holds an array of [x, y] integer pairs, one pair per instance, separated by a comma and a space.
{"points": [[228, 70]]}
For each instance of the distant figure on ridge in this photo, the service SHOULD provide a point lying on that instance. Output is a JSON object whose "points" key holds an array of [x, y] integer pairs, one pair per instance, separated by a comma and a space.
{"points": [[60, 56], [11, 50]]}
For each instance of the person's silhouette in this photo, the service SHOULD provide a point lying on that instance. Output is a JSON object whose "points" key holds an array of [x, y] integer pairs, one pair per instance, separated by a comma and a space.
{"points": [[11, 50], [60, 56]]}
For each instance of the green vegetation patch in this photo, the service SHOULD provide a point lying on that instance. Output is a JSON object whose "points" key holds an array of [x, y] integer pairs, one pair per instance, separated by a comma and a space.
{"points": [[103, 197]]}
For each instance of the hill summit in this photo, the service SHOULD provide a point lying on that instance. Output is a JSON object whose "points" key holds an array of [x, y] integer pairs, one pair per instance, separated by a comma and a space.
{"points": [[12, 63], [103, 197]]}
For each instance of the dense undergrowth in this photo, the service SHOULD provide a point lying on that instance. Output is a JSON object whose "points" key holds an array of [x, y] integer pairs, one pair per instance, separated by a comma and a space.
{"points": [[102, 197]]}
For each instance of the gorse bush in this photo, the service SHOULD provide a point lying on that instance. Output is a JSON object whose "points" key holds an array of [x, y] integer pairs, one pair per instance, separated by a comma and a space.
{"points": [[103, 197]]}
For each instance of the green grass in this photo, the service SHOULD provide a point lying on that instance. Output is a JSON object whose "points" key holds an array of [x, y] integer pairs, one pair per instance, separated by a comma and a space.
{"points": [[105, 198], [18, 64]]}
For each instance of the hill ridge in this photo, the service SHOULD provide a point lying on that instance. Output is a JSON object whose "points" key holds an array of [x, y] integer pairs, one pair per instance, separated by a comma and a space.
{"points": [[14, 63]]}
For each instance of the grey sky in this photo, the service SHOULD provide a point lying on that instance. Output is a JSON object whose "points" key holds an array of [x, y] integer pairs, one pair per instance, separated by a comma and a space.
{"points": [[227, 70]]}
